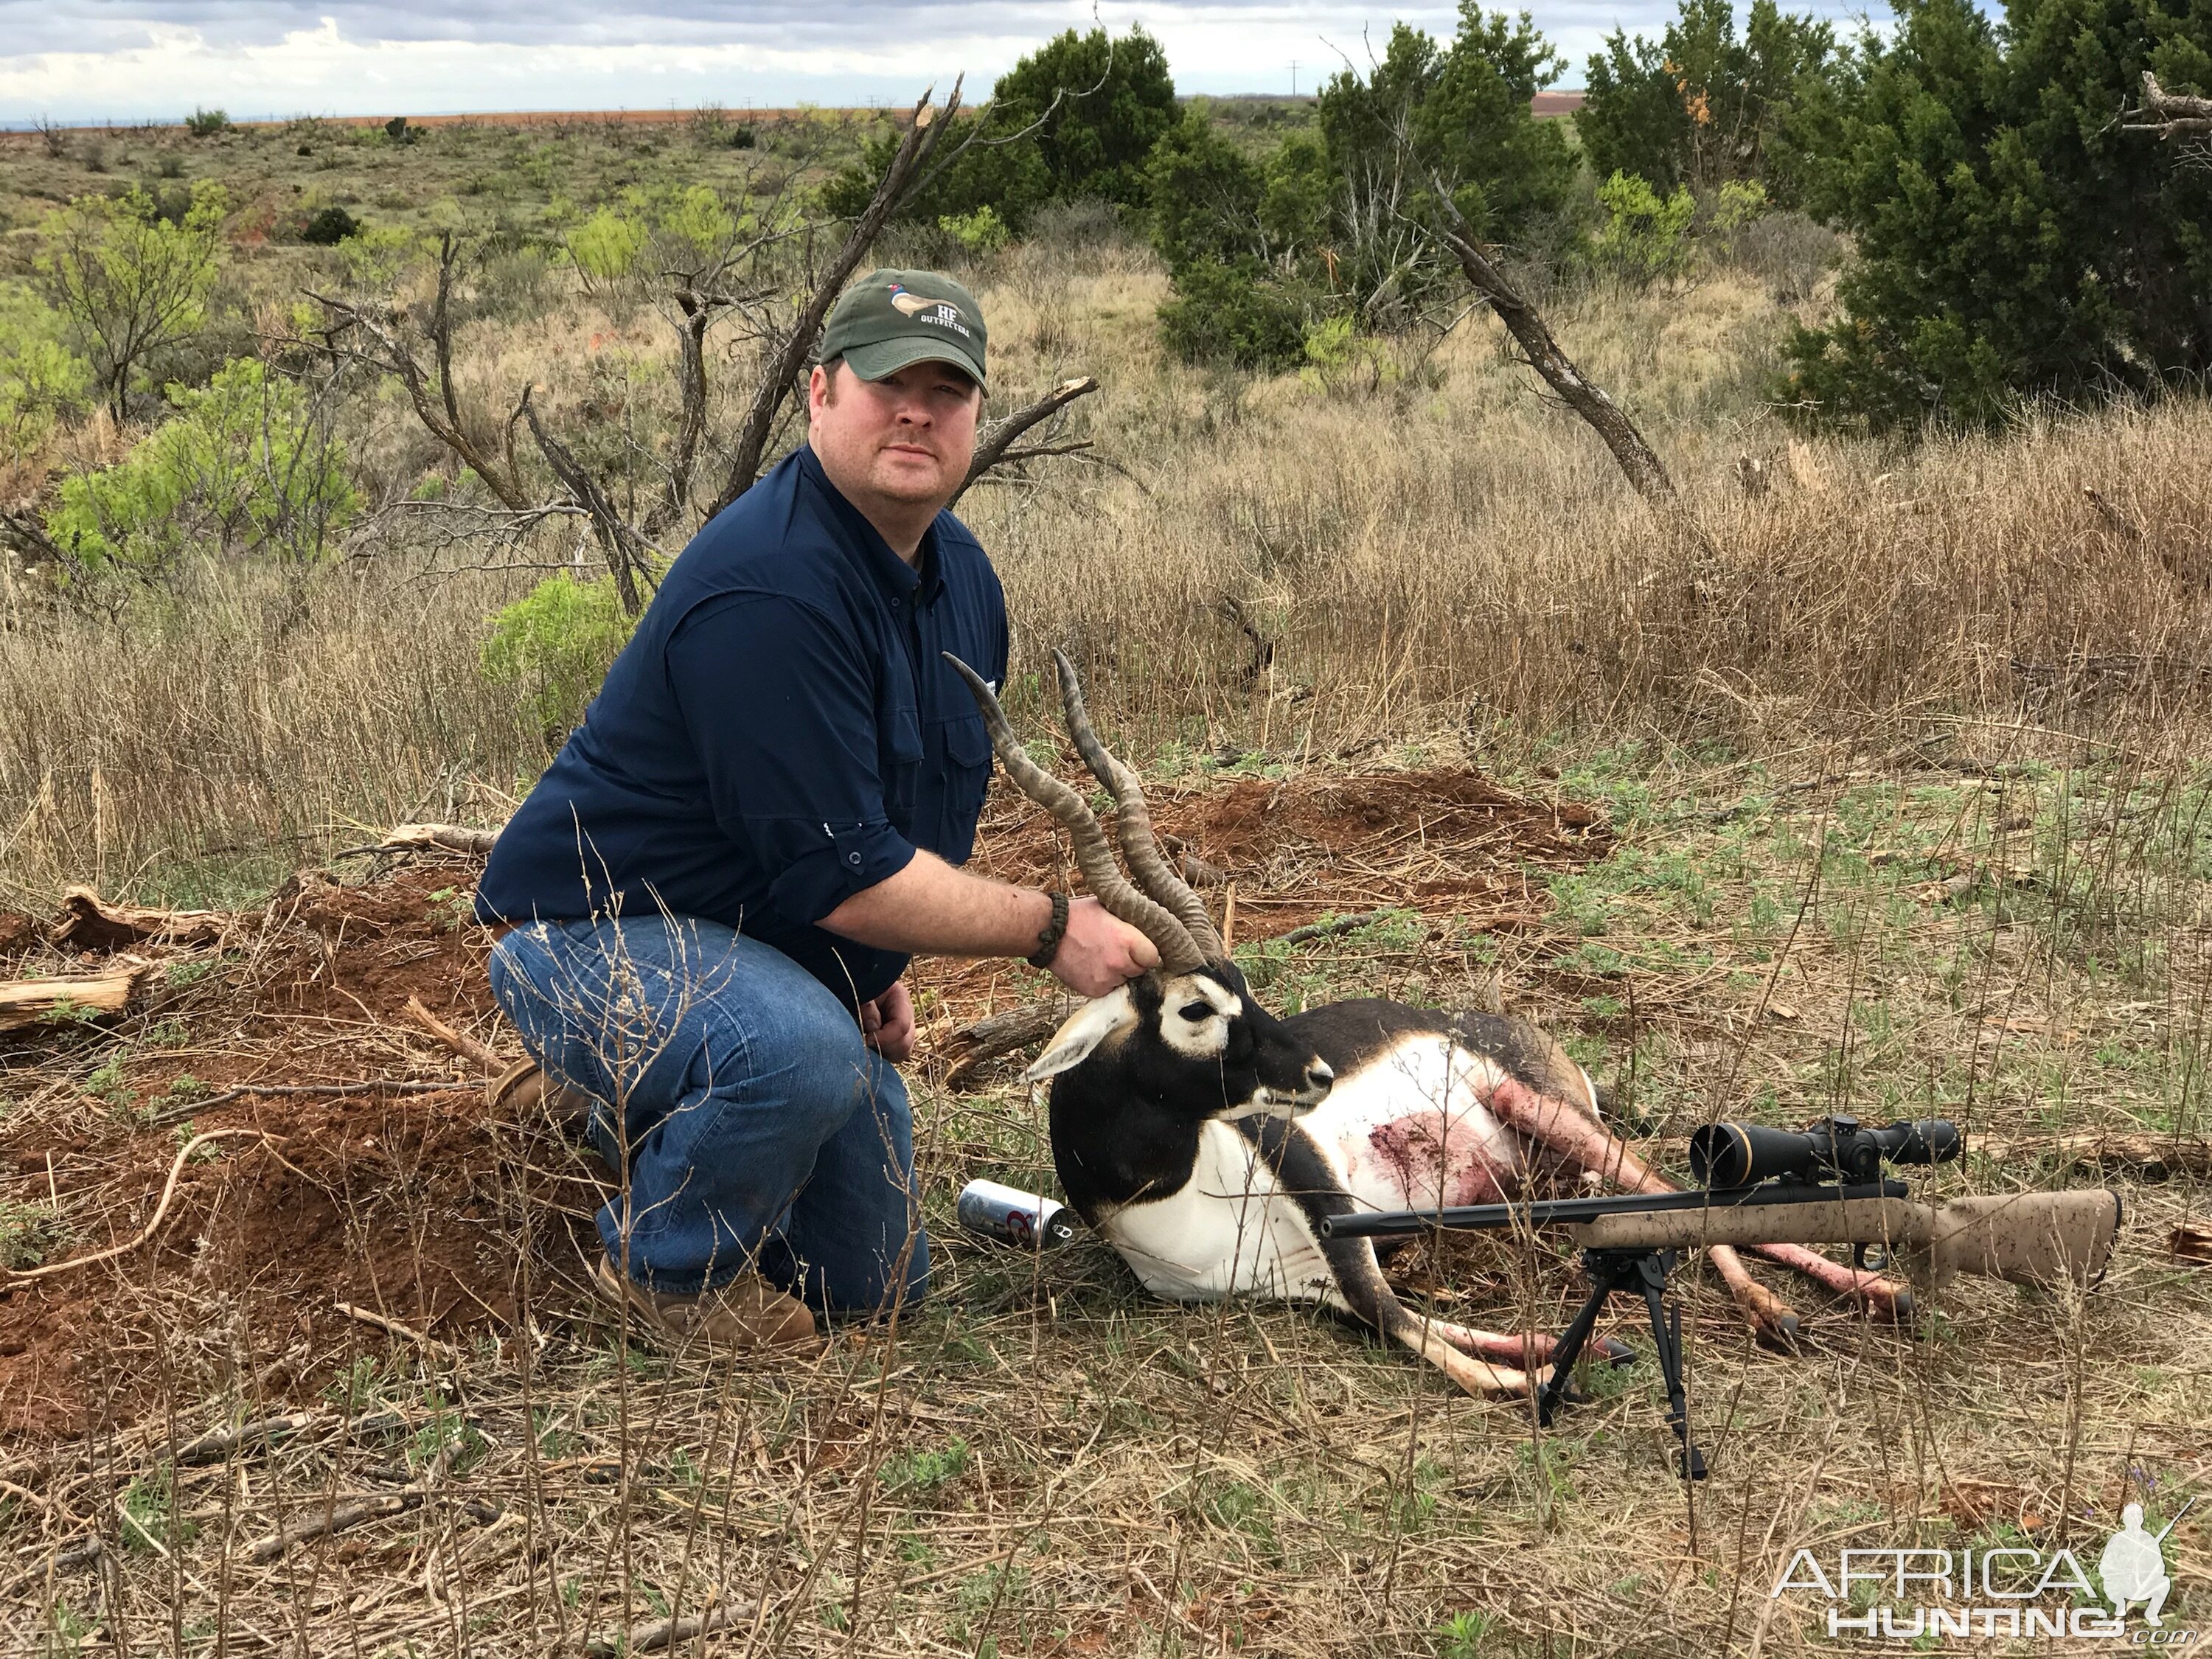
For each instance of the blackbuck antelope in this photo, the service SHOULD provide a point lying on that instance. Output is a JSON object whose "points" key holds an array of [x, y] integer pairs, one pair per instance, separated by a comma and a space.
{"points": [[1204, 1138]]}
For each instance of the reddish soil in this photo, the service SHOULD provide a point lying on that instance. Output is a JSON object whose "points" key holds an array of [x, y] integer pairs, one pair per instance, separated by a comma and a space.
{"points": [[1444, 843], [423, 1206], [391, 1202]]}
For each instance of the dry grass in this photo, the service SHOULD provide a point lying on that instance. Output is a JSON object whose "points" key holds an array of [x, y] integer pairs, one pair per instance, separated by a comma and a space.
{"points": [[1038, 1460], [1909, 761], [1429, 546]]}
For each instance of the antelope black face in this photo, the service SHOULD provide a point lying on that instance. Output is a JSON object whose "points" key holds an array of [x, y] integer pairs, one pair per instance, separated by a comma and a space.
{"points": [[1195, 1044]]}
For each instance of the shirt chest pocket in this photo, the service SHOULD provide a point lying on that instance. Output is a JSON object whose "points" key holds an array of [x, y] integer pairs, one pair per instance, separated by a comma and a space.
{"points": [[898, 762], [967, 751]]}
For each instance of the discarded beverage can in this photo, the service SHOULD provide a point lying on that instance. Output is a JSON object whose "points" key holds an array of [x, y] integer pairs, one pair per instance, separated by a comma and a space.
{"points": [[1013, 1216]]}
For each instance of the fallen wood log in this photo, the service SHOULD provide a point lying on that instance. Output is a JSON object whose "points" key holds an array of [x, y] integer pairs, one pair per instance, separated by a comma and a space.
{"points": [[2153, 1156], [89, 923], [220, 1443], [2187, 1243], [976, 1046], [430, 838], [36, 1001], [665, 1632]]}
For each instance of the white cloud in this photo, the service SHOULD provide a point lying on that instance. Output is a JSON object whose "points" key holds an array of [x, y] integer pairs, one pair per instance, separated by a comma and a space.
{"points": [[91, 60]]}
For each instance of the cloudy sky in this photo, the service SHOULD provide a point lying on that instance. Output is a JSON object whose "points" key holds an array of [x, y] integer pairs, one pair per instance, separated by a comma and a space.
{"points": [[91, 60]]}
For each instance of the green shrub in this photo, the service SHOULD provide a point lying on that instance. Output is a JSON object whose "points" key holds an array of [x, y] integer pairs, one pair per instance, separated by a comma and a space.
{"points": [[1077, 118], [328, 227], [606, 246], [557, 642], [979, 233], [132, 282], [246, 466], [41, 380], [1645, 235], [1236, 312], [206, 123], [2014, 241], [1701, 106]]}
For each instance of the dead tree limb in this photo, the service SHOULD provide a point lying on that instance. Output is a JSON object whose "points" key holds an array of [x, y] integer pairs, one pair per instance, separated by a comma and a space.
{"points": [[436, 405], [929, 124], [2168, 114], [995, 446], [974, 1047], [30, 540], [1642, 469], [629, 556]]}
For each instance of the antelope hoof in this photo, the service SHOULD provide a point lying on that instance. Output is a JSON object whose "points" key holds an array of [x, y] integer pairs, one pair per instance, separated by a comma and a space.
{"points": [[1614, 1352]]}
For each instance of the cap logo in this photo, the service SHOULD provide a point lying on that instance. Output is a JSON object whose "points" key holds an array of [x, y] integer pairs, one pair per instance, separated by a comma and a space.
{"points": [[910, 303]]}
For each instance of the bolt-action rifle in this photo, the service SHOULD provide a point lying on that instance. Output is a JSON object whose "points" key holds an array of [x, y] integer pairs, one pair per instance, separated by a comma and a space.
{"points": [[1823, 1186]]}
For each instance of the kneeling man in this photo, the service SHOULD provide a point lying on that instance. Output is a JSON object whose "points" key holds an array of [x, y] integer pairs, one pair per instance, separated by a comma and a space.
{"points": [[707, 904]]}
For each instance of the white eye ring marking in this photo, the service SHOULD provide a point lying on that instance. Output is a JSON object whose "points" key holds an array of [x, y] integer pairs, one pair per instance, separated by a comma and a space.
{"points": [[1205, 1036]]}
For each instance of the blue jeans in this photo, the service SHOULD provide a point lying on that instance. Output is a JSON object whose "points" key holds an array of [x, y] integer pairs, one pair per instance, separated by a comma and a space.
{"points": [[758, 1131]]}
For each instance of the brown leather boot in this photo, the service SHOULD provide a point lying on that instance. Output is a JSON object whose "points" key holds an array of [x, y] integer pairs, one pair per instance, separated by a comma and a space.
{"points": [[748, 1312], [520, 1091]]}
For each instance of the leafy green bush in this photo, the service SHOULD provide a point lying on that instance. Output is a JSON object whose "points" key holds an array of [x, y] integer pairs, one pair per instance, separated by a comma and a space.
{"points": [[979, 233], [1459, 113], [130, 282], [41, 380], [1700, 107], [1076, 118], [2013, 240], [557, 642], [606, 246], [1236, 312], [329, 226], [206, 123], [246, 466], [1645, 235]]}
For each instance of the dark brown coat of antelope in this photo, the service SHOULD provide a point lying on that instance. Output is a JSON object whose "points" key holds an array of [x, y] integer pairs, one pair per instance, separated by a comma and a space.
{"points": [[1204, 1138]]}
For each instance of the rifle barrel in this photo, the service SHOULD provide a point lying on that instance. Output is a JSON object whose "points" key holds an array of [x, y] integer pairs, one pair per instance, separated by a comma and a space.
{"points": [[1553, 1212]]}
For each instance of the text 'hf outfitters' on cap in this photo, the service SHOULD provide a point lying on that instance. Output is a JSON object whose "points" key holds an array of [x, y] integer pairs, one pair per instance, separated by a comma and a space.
{"points": [[891, 320]]}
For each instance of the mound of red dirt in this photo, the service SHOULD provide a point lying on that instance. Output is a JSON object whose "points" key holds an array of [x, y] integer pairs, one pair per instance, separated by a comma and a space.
{"points": [[377, 1177]]}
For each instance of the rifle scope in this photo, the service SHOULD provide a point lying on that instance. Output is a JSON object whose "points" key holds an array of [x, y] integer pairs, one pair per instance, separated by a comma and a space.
{"points": [[1834, 1149]]}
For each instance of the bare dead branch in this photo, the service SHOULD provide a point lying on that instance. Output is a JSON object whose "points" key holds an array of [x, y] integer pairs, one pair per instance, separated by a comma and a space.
{"points": [[387, 351], [1642, 469], [929, 123], [995, 446], [628, 555], [2168, 114]]}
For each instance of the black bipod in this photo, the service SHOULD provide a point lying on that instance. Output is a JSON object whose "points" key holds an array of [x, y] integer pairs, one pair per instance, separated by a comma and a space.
{"points": [[1644, 1270]]}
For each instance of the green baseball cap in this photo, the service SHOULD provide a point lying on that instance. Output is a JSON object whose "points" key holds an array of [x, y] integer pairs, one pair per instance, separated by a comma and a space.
{"points": [[891, 320]]}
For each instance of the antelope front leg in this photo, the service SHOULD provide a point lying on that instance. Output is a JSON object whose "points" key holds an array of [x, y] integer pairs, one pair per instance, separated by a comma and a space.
{"points": [[1587, 1146]]}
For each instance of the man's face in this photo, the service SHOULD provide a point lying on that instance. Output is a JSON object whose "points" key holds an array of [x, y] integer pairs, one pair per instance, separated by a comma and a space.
{"points": [[905, 438]]}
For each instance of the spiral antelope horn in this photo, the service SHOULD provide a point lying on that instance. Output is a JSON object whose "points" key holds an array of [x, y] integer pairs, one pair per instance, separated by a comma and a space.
{"points": [[1133, 820], [1094, 855]]}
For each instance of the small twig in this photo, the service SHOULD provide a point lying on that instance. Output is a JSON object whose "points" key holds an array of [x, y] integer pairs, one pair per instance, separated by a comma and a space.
{"points": [[334, 1520], [214, 1447], [160, 1210], [665, 1633], [466, 1047], [193, 1107], [1314, 930], [393, 1328]]}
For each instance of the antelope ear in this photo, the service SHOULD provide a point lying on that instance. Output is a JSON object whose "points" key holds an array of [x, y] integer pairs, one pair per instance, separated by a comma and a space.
{"points": [[1081, 1033]]}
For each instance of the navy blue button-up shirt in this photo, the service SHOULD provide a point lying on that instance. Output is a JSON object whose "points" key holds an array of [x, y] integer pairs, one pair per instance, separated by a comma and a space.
{"points": [[780, 733]]}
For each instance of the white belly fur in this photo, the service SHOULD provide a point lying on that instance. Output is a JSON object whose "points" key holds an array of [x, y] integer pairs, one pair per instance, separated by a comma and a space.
{"points": [[1408, 1130]]}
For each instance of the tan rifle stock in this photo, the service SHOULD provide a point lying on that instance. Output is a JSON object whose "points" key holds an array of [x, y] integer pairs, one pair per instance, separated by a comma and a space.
{"points": [[2028, 1238]]}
